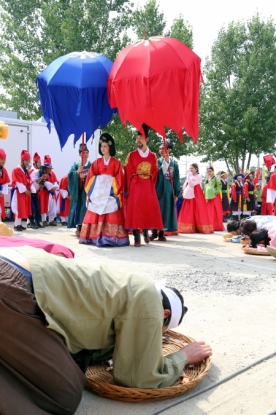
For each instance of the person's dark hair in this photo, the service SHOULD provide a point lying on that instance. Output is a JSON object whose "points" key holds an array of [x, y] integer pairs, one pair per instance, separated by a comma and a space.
{"points": [[210, 168], [248, 226], [83, 147], [167, 306], [195, 166], [257, 236], [108, 139], [234, 225]]}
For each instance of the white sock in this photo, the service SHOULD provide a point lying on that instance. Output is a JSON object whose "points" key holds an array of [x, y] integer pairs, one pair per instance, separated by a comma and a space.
{"points": [[17, 222]]}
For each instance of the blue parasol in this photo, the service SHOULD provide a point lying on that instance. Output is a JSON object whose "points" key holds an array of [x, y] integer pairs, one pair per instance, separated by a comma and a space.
{"points": [[73, 94]]}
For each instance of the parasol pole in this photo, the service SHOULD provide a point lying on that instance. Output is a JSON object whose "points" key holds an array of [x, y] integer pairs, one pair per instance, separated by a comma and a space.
{"points": [[82, 148], [169, 169]]}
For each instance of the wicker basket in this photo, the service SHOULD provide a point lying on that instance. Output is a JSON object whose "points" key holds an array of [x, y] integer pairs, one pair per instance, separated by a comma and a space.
{"points": [[271, 250], [100, 381], [253, 251]]}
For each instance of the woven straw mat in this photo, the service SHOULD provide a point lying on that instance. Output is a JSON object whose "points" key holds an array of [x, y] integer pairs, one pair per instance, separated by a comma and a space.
{"points": [[253, 251], [271, 250], [100, 381]]}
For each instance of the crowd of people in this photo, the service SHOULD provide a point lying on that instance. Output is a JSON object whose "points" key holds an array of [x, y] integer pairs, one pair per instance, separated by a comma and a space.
{"points": [[106, 200]]}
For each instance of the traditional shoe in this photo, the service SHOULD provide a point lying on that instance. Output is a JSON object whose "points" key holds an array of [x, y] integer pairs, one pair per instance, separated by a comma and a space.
{"points": [[152, 238], [52, 223], [162, 239], [17, 228], [22, 228], [78, 231], [137, 244], [45, 223], [147, 239], [39, 225]]}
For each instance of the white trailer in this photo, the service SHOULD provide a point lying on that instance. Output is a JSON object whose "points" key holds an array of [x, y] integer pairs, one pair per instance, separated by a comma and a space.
{"points": [[34, 136]]}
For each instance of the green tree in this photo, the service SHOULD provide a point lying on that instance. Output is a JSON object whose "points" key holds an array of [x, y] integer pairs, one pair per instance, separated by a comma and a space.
{"points": [[182, 31], [35, 32], [238, 100], [149, 18]]}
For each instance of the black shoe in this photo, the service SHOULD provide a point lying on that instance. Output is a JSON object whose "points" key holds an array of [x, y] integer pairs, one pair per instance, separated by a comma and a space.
{"points": [[146, 236], [64, 223], [153, 235], [78, 231], [52, 223], [137, 237], [28, 225], [39, 225], [18, 228], [22, 228], [33, 225]]}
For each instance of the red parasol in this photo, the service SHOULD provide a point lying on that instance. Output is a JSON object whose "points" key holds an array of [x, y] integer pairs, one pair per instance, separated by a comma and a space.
{"points": [[156, 81]]}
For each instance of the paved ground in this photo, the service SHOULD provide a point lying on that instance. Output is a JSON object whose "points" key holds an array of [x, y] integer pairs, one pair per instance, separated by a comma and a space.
{"points": [[231, 301]]}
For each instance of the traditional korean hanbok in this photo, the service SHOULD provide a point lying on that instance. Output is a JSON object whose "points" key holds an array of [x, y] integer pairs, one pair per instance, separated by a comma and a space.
{"points": [[193, 216], [103, 223], [212, 190], [266, 207], [64, 200], [224, 196], [4, 188], [167, 187], [249, 197]]}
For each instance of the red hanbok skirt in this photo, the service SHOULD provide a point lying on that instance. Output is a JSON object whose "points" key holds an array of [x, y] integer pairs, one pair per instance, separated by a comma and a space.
{"points": [[193, 216], [215, 214], [102, 230], [266, 209]]}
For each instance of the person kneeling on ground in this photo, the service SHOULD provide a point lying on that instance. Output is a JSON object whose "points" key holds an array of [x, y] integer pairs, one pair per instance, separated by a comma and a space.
{"points": [[239, 230], [259, 237], [54, 310]]}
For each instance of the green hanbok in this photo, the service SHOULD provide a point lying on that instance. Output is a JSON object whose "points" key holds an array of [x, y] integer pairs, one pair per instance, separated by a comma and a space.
{"points": [[168, 186], [78, 195]]}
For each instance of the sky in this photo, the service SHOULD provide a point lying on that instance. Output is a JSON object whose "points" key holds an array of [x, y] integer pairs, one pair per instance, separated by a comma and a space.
{"points": [[207, 17]]}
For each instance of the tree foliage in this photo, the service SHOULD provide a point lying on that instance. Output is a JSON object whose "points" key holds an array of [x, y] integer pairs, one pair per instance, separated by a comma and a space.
{"points": [[238, 100], [35, 32]]}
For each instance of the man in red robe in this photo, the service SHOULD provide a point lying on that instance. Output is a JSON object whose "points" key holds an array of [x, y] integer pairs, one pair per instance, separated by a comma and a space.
{"points": [[21, 196], [4, 182], [64, 200], [271, 190], [47, 195], [142, 207]]}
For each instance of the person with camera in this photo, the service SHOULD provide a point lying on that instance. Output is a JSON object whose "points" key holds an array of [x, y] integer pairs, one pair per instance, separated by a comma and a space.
{"points": [[34, 220]]}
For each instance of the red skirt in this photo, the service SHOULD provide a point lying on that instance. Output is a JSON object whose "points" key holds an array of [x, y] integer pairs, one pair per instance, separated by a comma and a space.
{"points": [[215, 214], [193, 216], [102, 230], [266, 209]]}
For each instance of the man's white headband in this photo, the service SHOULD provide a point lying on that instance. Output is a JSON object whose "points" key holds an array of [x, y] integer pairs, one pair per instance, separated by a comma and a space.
{"points": [[175, 302]]}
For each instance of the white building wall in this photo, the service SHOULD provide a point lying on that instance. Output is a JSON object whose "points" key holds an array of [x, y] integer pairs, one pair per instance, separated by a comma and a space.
{"points": [[34, 137]]}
